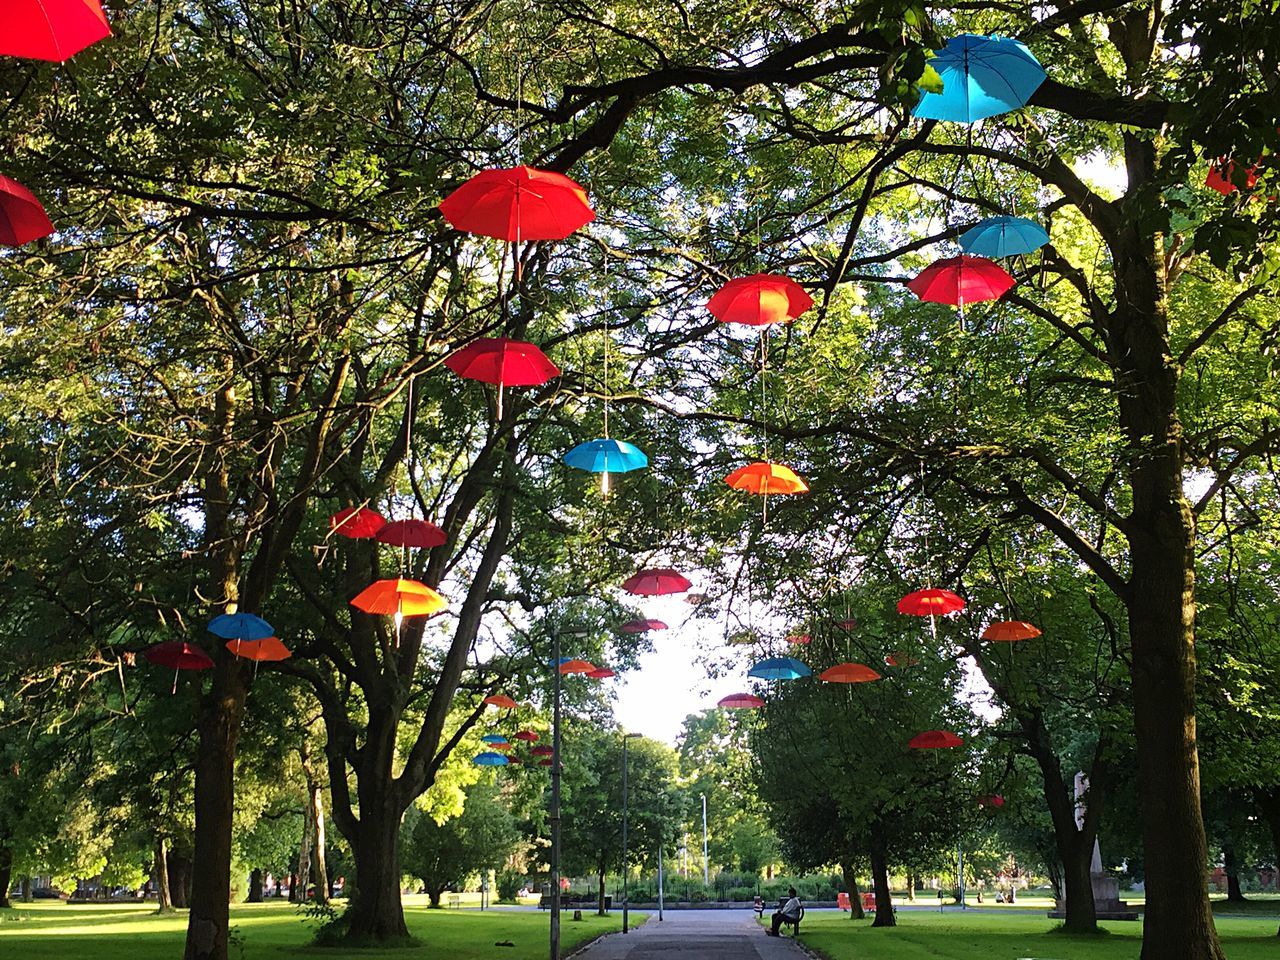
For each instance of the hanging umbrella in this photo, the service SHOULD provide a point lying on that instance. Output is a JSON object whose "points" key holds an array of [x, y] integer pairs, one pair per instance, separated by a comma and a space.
{"points": [[1003, 236], [759, 300], [849, 624], [502, 361], [358, 523], [179, 656], [1222, 177], [526, 735], [779, 668], [849, 673], [601, 673], [930, 602], [493, 738], [741, 701], [642, 626], [501, 700], [240, 626], [981, 77], [800, 639], [515, 760], [576, 666], [399, 598], [518, 204], [22, 218], [546, 763], [54, 30], [542, 751], [1010, 631], [764, 478], [268, 649], [656, 581], [991, 800], [412, 533], [960, 280], [489, 759], [504, 746], [934, 740], [605, 457], [900, 660]]}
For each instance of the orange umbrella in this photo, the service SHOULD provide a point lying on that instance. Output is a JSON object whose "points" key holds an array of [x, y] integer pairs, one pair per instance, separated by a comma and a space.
{"points": [[1010, 631], [576, 666], [501, 700], [849, 673], [934, 740], [763, 478], [269, 649], [900, 660], [400, 598]]}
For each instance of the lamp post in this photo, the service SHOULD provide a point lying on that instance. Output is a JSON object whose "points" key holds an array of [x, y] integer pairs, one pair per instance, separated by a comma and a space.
{"points": [[625, 852], [555, 785], [706, 870]]}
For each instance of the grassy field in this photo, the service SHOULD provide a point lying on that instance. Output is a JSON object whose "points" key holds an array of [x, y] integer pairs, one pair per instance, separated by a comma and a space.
{"points": [[1010, 934], [51, 930]]}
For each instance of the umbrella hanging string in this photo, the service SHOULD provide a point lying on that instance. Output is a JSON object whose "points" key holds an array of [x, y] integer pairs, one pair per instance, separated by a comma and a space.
{"points": [[608, 338], [408, 461], [764, 395]]}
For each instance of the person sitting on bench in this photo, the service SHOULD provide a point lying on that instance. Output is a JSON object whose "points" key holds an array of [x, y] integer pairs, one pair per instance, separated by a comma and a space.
{"points": [[790, 912]]}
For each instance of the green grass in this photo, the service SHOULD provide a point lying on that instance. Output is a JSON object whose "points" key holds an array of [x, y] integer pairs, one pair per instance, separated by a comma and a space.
{"points": [[1012, 934], [52, 930]]}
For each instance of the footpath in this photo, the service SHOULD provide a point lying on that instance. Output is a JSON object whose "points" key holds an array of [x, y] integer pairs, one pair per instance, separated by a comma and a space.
{"points": [[695, 935]]}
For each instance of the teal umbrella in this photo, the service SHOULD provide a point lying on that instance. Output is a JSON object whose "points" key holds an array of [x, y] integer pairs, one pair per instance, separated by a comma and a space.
{"points": [[1003, 236], [605, 457], [494, 738], [981, 77], [489, 759], [779, 668]]}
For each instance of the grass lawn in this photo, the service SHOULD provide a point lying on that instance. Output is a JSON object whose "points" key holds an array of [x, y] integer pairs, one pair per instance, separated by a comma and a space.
{"points": [[51, 930], [1012, 934]]}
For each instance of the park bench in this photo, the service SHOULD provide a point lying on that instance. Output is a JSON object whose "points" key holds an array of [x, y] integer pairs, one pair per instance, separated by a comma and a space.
{"points": [[795, 924], [454, 901]]}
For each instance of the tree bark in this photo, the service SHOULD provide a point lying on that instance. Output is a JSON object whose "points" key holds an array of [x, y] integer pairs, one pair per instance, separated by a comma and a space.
{"points": [[164, 899], [376, 914], [255, 886], [1231, 867], [293, 887], [851, 885], [179, 879], [304, 850], [434, 893], [6, 876], [912, 882], [318, 865], [25, 889], [600, 894], [880, 882]]}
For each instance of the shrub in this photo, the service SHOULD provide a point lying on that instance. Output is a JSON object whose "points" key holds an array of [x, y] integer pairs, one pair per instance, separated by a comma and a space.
{"points": [[510, 882]]}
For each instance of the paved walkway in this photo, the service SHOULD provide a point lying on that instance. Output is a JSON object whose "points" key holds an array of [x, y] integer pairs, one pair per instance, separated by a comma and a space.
{"points": [[696, 935]]}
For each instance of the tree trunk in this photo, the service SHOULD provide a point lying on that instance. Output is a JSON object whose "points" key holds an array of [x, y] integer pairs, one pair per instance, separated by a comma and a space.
{"points": [[25, 889], [304, 851], [1081, 914], [600, 895], [6, 876], [293, 887], [1160, 598], [376, 914], [434, 893], [160, 869], [1231, 867], [912, 883], [880, 882], [851, 886], [255, 886], [179, 879], [317, 860]]}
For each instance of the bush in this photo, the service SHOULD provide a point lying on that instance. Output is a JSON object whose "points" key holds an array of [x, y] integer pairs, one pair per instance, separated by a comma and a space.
{"points": [[510, 882]]}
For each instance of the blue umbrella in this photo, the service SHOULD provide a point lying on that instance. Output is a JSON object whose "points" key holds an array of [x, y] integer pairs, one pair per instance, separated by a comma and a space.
{"points": [[240, 626], [494, 738], [489, 759], [779, 668], [1003, 237], [606, 457], [981, 77]]}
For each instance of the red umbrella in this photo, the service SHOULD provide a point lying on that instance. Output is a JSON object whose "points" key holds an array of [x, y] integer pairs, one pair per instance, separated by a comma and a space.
{"points": [[741, 701], [503, 747], [849, 673], [1222, 177], [502, 361], [179, 656], [526, 735], [961, 280], [545, 763], [542, 751], [992, 800], [356, 523], [412, 533], [930, 603], [759, 300], [22, 218], [501, 700], [656, 582], [642, 626], [900, 660], [800, 638], [1010, 631], [934, 740], [518, 204], [53, 30], [849, 624], [601, 673]]}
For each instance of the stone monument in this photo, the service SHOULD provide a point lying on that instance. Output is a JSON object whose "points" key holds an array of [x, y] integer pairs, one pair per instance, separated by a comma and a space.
{"points": [[1107, 904]]}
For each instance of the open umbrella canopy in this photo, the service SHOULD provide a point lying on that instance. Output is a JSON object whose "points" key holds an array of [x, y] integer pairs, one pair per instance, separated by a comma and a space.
{"points": [[526, 735], [930, 603], [358, 523], [900, 660], [268, 649], [741, 701], [655, 582], [765, 477], [22, 217], [542, 751], [601, 673], [240, 626], [642, 626], [606, 456], [991, 800], [961, 280], [779, 668], [489, 759], [801, 639], [493, 738], [849, 673], [546, 763], [503, 746], [934, 740], [576, 666], [408, 598], [54, 30], [178, 656], [981, 77], [1010, 631], [518, 204], [1003, 236], [849, 624], [759, 300], [502, 361], [412, 533], [501, 700], [1223, 177]]}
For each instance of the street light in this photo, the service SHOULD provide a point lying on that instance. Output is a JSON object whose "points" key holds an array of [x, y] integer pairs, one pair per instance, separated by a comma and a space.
{"points": [[625, 858], [556, 633], [706, 870]]}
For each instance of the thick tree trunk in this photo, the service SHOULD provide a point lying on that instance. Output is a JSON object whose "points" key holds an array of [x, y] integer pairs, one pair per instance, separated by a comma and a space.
{"points": [[179, 880], [880, 882], [1231, 867], [376, 914], [434, 893], [6, 876], [255, 886], [851, 886], [164, 899], [1081, 915], [1160, 596], [24, 890], [317, 861], [600, 895]]}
